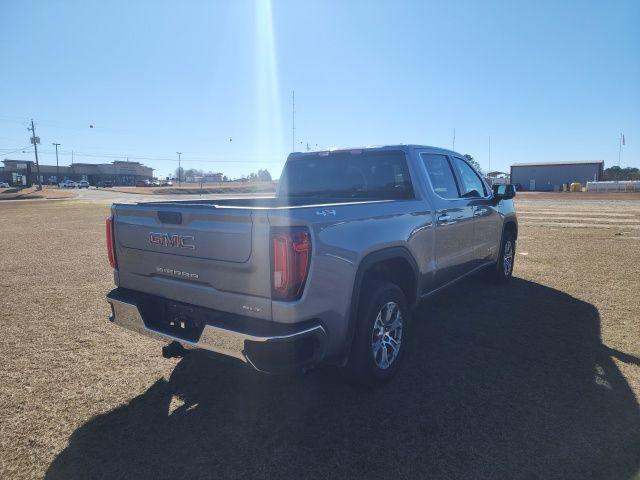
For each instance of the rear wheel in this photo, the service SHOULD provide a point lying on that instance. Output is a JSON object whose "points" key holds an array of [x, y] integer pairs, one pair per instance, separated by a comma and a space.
{"points": [[503, 270], [381, 333]]}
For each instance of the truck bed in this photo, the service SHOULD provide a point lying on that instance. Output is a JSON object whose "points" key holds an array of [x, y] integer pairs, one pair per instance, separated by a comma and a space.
{"points": [[264, 202], [211, 253]]}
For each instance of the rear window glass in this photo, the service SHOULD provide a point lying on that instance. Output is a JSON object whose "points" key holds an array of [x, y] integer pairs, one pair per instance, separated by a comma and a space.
{"points": [[381, 175]]}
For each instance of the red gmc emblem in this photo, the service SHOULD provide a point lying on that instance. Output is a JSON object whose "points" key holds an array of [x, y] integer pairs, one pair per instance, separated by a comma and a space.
{"points": [[174, 241]]}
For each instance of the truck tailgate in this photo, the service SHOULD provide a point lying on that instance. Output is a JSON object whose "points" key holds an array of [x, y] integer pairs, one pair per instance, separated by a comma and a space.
{"points": [[195, 253], [204, 233]]}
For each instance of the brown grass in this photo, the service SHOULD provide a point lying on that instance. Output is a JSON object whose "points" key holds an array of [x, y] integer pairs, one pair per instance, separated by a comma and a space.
{"points": [[207, 188], [538, 379], [47, 192], [574, 196]]}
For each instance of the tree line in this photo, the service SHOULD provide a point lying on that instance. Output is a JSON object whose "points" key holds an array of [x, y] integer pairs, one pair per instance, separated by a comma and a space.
{"points": [[619, 174], [259, 176]]}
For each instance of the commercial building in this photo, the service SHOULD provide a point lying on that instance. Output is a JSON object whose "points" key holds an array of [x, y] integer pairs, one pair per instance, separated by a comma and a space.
{"points": [[204, 178], [546, 177], [24, 172], [212, 177], [497, 178]]}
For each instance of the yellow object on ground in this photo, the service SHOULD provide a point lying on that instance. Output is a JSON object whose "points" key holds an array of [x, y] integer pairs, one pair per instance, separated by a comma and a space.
{"points": [[576, 187]]}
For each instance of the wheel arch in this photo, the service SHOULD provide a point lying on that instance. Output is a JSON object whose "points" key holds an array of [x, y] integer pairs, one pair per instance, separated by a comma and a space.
{"points": [[395, 264], [511, 226]]}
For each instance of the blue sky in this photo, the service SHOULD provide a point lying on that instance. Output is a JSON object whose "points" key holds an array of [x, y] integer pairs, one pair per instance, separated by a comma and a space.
{"points": [[545, 80]]}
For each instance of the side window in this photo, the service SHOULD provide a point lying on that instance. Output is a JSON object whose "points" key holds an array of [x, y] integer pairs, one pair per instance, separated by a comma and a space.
{"points": [[472, 184], [441, 175]]}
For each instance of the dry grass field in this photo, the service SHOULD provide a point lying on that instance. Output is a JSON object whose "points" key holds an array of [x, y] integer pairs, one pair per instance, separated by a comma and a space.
{"points": [[207, 188], [47, 192], [537, 379]]}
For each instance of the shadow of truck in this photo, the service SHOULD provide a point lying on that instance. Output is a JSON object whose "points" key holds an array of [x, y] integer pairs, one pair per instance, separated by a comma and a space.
{"points": [[499, 382]]}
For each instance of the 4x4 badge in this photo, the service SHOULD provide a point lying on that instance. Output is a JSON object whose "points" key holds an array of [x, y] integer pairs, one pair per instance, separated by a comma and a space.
{"points": [[326, 211]]}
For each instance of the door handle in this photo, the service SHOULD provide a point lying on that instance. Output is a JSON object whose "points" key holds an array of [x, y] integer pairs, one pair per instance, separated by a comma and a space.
{"points": [[479, 212], [443, 218]]}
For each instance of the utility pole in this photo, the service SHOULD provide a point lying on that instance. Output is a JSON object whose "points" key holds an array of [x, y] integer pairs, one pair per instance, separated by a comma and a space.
{"points": [[179, 169], [57, 167], [489, 153], [35, 141], [621, 143], [454, 140], [293, 121]]}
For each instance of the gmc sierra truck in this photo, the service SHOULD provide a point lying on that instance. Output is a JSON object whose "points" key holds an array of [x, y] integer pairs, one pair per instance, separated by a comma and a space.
{"points": [[327, 271]]}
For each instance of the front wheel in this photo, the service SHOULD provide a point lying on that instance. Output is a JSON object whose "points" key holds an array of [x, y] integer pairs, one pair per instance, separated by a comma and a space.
{"points": [[380, 338], [503, 270]]}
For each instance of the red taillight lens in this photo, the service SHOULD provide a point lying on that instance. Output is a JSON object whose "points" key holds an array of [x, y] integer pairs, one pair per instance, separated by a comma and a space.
{"points": [[111, 252], [291, 254]]}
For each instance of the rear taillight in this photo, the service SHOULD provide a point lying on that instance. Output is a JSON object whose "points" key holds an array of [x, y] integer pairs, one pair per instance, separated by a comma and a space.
{"points": [[291, 254], [111, 252]]}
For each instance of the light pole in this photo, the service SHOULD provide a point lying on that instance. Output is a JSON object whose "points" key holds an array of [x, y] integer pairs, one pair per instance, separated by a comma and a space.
{"points": [[57, 167], [179, 170]]}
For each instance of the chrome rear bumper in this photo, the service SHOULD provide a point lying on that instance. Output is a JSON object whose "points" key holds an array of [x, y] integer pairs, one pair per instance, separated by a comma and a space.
{"points": [[254, 348]]}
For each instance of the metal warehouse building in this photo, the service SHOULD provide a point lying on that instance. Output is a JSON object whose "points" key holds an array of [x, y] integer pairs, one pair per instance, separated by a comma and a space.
{"points": [[545, 177]]}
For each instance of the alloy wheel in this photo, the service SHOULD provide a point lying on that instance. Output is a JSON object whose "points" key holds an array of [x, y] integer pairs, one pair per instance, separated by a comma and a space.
{"points": [[386, 337], [507, 259]]}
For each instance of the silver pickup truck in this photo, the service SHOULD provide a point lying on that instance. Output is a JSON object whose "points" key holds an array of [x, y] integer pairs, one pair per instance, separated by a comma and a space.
{"points": [[326, 271]]}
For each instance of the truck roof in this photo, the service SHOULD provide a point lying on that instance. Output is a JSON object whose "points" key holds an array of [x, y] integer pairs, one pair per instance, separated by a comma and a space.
{"points": [[402, 147]]}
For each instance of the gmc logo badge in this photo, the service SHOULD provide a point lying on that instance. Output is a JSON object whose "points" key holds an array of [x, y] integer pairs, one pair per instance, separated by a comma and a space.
{"points": [[173, 241]]}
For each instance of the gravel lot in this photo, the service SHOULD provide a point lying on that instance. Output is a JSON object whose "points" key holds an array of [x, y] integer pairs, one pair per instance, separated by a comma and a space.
{"points": [[538, 379]]}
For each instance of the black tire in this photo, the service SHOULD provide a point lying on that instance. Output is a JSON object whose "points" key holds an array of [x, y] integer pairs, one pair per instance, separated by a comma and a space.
{"points": [[377, 299], [502, 272]]}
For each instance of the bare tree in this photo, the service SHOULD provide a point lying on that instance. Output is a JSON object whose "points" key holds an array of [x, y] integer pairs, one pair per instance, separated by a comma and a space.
{"points": [[473, 162]]}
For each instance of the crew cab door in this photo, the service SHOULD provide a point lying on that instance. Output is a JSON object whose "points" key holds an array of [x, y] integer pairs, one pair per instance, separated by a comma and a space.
{"points": [[487, 220], [454, 245]]}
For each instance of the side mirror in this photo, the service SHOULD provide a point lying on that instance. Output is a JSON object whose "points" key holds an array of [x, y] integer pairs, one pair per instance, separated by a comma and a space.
{"points": [[504, 192]]}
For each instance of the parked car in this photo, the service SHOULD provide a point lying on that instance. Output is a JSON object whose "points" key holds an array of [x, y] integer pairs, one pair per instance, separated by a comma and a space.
{"points": [[327, 271], [83, 184], [155, 183], [4, 185], [143, 183], [67, 184], [166, 183], [105, 184]]}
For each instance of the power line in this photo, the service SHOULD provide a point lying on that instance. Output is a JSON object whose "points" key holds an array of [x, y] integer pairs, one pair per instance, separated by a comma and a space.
{"points": [[13, 151], [25, 121], [56, 124], [133, 157], [8, 119], [162, 159]]}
